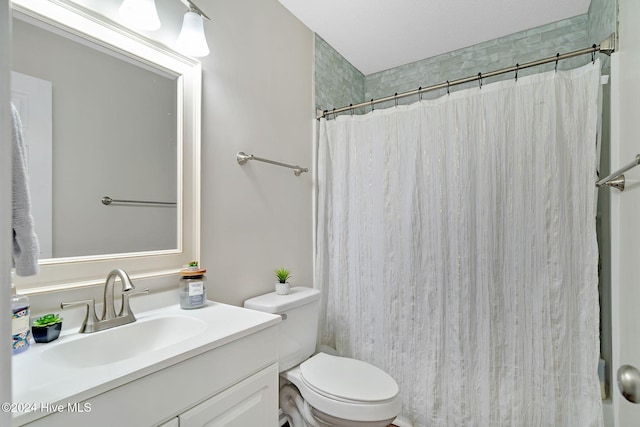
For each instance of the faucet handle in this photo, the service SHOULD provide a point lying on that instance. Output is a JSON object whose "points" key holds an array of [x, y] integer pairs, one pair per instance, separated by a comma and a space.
{"points": [[90, 318], [126, 294]]}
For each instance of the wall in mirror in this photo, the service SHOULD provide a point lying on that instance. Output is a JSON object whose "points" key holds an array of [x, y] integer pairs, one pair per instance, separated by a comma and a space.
{"points": [[97, 123], [124, 122]]}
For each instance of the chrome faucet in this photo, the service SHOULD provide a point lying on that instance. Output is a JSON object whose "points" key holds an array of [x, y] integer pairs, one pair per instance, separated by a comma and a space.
{"points": [[109, 319]]}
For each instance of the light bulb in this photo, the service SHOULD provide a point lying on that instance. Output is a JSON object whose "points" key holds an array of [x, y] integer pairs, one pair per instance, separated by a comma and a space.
{"points": [[140, 14], [192, 40]]}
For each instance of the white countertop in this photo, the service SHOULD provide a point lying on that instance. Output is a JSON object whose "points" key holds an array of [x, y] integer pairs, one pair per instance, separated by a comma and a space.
{"points": [[38, 382]]}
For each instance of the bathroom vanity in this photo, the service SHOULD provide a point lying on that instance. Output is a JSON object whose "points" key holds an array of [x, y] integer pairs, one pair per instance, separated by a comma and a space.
{"points": [[215, 366]]}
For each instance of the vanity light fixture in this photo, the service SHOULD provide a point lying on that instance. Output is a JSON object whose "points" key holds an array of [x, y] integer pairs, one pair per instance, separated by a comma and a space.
{"points": [[140, 14], [192, 40]]}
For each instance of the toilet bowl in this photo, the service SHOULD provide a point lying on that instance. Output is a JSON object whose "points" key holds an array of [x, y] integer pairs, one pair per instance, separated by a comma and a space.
{"points": [[346, 392], [322, 389]]}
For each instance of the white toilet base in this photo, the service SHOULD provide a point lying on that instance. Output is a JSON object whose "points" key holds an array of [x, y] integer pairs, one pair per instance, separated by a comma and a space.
{"points": [[300, 414], [295, 408], [328, 420]]}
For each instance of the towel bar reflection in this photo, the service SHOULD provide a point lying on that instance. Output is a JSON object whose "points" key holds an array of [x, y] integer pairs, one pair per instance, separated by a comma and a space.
{"points": [[106, 200], [242, 158], [616, 179]]}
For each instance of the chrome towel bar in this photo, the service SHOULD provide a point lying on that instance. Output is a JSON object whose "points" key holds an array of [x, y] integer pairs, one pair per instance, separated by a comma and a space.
{"points": [[106, 200], [616, 179], [242, 158]]}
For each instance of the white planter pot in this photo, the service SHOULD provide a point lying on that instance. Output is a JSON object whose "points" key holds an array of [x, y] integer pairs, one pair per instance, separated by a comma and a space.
{"points": [[282, 288]]}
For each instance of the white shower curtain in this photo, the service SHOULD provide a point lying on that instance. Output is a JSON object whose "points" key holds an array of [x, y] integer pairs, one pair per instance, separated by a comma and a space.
{"points": [[456, 249]]}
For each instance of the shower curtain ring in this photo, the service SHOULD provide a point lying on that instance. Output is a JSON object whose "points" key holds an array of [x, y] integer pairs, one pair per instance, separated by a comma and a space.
{"points": [[593, 54], [420, 93], [448, 86], [372, 105], [517, 68], [351, 109], [334, 114], [480, 80], [557, 59], [396, 98]]}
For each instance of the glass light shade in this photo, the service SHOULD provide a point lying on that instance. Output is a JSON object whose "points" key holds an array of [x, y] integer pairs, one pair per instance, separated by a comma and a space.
{"points": [[140, 14], [192, 40]]}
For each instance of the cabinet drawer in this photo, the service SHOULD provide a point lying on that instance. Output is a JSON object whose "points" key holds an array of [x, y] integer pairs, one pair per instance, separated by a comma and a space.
{"points": [[251, 403]]}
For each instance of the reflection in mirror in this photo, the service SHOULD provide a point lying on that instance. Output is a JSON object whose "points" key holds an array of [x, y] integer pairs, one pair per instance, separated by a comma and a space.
{"points": [[122, 120], [96, 123]]}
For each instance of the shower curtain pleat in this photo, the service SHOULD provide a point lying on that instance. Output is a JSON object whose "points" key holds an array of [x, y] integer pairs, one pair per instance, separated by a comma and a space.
{"points": [[456, 250]]}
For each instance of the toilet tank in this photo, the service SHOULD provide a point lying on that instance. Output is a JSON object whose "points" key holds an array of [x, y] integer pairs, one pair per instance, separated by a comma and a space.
{"points": [[298, 330]]}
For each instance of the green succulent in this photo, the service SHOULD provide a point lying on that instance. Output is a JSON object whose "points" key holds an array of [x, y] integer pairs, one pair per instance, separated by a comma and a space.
{"points": [[47, 320], [282, 274]]}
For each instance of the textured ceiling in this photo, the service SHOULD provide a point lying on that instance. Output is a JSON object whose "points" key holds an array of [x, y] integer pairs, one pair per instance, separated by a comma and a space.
{"points": [[376, 35]]}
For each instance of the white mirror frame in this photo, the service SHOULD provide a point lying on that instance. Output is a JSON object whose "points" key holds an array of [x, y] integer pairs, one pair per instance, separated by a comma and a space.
{"points": [[67, 273]]}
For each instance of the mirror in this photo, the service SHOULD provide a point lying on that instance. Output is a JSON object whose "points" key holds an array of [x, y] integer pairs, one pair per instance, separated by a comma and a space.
{"points": [[105, 113], [95, 124]]}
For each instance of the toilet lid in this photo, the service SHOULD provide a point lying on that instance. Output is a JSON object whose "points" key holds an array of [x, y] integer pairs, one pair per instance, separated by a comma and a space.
{"points": [[348, 379]]}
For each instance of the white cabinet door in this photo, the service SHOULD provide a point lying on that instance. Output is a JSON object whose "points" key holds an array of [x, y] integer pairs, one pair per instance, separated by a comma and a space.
{"points": [[625, 206], [250, 403]]}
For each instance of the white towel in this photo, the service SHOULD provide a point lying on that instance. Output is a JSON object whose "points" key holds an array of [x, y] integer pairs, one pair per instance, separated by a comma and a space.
{"points": [[25, 241]]}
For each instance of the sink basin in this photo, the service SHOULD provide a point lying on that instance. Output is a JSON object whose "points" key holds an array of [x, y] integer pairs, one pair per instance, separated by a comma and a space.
{"points": [[123, 342]]}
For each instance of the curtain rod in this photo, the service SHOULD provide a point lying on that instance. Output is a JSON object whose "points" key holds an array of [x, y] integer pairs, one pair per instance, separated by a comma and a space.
{"points": [[607, 47]]}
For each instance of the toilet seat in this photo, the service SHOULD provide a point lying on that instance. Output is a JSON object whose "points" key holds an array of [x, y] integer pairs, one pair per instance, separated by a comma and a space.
{"points": [[346, 379], [346, 388]]}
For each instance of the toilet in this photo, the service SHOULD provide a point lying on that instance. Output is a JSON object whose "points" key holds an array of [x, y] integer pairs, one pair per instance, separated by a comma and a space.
{"points": [[323, 389]]}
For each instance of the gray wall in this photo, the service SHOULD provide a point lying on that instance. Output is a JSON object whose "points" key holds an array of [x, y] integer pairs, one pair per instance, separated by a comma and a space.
{"points": [[257, 98], [110, 119]]}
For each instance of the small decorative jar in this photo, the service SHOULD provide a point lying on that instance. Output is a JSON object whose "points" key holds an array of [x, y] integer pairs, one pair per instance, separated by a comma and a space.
{"points": [[193, 288]]}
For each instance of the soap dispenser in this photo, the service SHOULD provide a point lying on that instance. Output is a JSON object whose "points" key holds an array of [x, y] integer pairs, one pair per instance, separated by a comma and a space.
{"points": [[20, 325]]}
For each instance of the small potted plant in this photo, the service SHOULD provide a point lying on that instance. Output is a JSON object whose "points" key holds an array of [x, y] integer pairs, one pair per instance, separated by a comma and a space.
{"points": [[282, 285], [46, 328]]}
